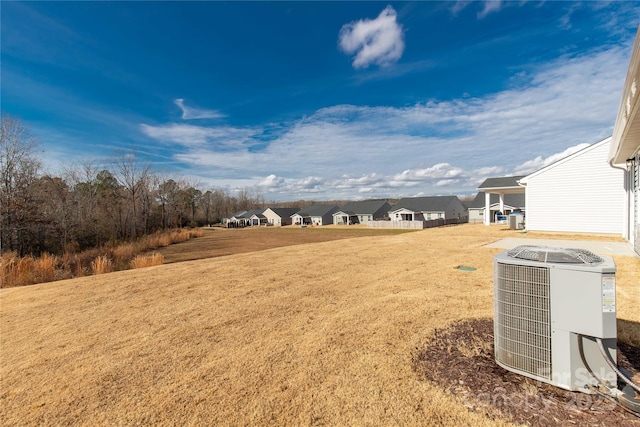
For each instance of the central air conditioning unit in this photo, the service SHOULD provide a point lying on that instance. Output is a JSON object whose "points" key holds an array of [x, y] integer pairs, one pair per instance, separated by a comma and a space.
{"points": [[550, 306]]}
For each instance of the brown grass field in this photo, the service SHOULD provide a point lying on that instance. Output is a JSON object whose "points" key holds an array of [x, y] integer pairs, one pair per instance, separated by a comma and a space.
{"points": [[308, 334]]}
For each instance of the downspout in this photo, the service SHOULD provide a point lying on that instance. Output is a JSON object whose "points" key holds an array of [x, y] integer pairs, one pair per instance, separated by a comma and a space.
{"points": [[627, 207]]}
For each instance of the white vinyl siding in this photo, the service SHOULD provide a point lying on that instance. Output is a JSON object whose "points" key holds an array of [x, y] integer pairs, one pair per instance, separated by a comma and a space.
{"points": [[476, 215], [581, 193], [635, 204], [275, 219]]}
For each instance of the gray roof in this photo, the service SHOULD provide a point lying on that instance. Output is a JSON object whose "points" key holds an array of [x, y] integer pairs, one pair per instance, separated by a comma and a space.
{"points": [[513, 200], [316, 210], [247, 214], [426, 204], [366, 207], [284, 212], [501, 182]]}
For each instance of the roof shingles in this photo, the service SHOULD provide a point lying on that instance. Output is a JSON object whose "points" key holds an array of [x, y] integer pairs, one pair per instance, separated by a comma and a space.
{"points": [[501, 182]]}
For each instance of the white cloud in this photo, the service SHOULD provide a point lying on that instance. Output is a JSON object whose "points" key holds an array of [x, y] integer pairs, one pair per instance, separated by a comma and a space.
{"points": [[490, 6], [531, 166], [374, 41], [434, 147], [272, 181], [190, 113], [458, 6], [195, 136]]}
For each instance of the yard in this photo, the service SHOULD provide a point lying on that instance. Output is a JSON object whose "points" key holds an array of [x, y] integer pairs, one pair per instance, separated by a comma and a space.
{"points": [[318, 333]]}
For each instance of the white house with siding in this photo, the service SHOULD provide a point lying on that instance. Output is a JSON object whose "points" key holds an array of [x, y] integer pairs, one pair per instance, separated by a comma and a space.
{"points": [[580, 193], [500, 186], [624, 153], [315, 215], [427, 208], [243, 219], [279, 216], [510, 203], [362, 212]]}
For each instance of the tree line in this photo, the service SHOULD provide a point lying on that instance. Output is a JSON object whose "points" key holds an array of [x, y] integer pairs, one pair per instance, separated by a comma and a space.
{"points": [[91, 204]]}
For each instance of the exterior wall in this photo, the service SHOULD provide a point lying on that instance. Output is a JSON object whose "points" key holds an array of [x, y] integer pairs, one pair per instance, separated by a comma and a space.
{"points": [[634, 204], [405, 215], [296, 219], [434, 215], [582, 194], [340, 219], [325, 219], [476, 215], [363, 219], [382, 213], [455, 210], [273, 218]]}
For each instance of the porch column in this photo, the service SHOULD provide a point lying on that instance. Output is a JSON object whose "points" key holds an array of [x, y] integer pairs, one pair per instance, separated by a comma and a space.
{"points": [[487, 209], [502, 203]]}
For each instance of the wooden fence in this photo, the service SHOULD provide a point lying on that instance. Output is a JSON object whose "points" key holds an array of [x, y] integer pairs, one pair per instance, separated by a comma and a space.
{"points": [[417, 224]]}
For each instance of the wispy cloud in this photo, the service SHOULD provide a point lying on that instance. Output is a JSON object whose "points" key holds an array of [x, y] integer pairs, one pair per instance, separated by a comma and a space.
{"points": [[190, 113], [539, 162], [458, 6], [219, 138], [433, 147], [489, 6], [374, 41]]}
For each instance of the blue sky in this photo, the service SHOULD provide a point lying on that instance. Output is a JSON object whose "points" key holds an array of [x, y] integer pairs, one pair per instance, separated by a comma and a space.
{"points": [[318, 100]]}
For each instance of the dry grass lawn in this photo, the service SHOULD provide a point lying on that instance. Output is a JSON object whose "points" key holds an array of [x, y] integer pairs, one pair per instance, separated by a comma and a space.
{"points": [[217, 241], [316, 334]]}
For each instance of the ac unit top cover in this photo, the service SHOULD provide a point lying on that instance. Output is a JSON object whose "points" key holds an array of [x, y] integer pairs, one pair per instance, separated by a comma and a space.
{"points": [[567, 258]]}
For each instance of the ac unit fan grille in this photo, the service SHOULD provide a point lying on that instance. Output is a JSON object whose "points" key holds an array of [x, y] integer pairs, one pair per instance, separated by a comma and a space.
{"points": [[555, 255], [523, 326]]}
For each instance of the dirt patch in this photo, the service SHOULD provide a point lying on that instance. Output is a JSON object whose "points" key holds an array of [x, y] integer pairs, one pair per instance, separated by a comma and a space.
{"points": [[460, 359]]}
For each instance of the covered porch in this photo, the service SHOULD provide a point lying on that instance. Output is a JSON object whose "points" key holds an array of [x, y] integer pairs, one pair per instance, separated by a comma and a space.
{"points": [[500, 186]]}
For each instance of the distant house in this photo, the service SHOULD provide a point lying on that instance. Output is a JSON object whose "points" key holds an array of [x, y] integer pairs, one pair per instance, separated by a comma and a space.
{"points": [[511, 203], [500, 186], [428, 208], [315, 215], [579, 193], [362, 212], [279, 216], [244, 218], [258, 219]]}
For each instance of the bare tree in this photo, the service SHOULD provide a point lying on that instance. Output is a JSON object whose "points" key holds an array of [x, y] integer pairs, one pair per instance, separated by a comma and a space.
{"points": [[133, 176], [168, 197], [18, 169]]}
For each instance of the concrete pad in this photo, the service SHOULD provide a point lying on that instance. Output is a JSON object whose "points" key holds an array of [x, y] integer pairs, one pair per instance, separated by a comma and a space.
{"points": [[597, 247]]}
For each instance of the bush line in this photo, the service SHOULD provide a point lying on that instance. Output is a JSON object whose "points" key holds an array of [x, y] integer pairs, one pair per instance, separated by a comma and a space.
{"points": [[29, 270]]}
